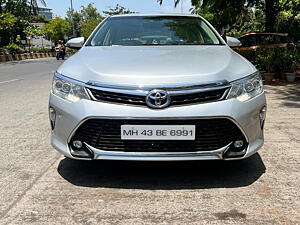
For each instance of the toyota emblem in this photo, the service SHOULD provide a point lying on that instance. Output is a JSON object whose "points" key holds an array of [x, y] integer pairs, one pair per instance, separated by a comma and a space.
{"points": [[158, 99]]}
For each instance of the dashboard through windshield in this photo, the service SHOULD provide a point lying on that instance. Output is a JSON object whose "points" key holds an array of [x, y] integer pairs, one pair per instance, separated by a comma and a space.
{"points": [[153, 30]]}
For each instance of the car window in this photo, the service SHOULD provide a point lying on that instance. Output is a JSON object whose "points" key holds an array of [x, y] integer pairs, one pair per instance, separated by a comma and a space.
{"points": [[248, 41], [153, 30], [270, 39]]}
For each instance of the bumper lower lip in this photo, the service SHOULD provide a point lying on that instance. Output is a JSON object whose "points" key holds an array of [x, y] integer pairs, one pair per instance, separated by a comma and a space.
{"points": [[158, 156]]}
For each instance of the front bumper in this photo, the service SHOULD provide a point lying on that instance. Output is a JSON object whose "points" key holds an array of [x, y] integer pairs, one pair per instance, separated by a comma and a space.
{"points": [[69, 116]]}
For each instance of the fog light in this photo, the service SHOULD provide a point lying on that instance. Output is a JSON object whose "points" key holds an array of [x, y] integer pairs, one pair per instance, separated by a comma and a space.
{"points": [[262, 116], [79, 149], [235, 154], [238, 143], [52, 117], [77, 144]]}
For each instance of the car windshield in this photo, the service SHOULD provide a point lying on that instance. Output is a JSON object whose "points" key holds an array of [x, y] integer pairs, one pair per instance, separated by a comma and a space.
{"points": [[153, 30]]}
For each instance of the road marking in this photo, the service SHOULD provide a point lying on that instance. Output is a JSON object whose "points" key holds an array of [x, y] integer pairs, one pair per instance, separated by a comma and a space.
{"points": [[8, 81]]}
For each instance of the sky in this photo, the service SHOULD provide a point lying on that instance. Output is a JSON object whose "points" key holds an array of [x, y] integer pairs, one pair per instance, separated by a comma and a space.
{"points": [[142, 6]]}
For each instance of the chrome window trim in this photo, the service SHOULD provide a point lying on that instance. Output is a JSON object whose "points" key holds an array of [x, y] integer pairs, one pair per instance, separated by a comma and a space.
{"points": [[219, 152]]}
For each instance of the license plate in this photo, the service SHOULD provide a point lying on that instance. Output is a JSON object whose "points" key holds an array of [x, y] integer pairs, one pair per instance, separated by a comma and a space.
{"points": [[158, 132]]}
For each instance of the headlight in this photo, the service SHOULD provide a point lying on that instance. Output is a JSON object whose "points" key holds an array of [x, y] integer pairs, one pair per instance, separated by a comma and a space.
{"points": [[246, 88], [68, 89]]}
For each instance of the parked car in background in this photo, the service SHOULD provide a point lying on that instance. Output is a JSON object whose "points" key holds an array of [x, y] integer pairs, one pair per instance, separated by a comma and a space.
{"points": [[253, 41]]}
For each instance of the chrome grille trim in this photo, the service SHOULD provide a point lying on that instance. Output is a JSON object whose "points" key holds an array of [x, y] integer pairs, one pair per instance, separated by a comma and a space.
{"points": [[178, 98], [169, 87], [141, 91]]}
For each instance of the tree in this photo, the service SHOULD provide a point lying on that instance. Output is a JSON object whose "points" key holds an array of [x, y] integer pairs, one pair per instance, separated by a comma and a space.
{"points": [[89, 13], [118, 10], [288, 19], [33, 31], [223, 13], [22, 10], [88, 27], [39, 19], [56, 29], [7, 23], [86, 20], [90, 18], [34, 5], [250, 20], [19, 9], [74, 18], [227, 12]]}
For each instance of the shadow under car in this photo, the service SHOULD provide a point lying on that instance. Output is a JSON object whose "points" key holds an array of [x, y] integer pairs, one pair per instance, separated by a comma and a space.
{"points": [[162, 175]]}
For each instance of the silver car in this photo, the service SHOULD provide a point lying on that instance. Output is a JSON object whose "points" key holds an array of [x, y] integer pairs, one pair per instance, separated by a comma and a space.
{"points": [[156, 88]]}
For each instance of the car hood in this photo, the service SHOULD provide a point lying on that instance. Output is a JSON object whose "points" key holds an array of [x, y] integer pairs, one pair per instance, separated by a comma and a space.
{"points": [[156, 65]]}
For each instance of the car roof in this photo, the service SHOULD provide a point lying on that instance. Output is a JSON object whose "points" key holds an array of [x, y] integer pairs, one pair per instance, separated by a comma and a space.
{"points": [[160, 14]]}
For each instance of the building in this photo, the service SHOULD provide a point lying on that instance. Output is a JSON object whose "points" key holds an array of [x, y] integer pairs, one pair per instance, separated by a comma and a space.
{"points": [[46, 12], [40, 41]]}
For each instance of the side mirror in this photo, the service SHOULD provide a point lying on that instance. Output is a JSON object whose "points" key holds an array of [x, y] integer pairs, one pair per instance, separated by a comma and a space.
{"points": [[233, 42], [75, 42]]}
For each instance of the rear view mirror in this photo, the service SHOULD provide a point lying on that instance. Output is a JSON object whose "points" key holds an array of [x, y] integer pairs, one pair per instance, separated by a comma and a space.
{"points": [[75, 42], [233, 42]]}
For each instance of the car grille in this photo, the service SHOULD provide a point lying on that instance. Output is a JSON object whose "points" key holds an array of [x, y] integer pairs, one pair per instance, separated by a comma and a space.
{"points": [[199, 97], [105, 134]]}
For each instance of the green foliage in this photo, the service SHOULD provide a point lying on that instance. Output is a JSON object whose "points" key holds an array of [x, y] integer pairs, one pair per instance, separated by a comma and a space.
{"points": [[89, 13], [268, 59], [31, 31], [13, 49], [18, 39], [74, 18], [70, 51], [41, 50], [19, 9], [240, 16], [88, 27], [289, 58], [7, 22], [56, 29], [280, 59], [205, 14], [39, 19], [251, 20], [86, 20], [90, 18], [83, 21], [288, 20], [223, 14], [118, 10]]}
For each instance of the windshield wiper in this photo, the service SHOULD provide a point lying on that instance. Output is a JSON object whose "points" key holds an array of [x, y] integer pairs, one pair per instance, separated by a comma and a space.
{"points": [[151, 44]]}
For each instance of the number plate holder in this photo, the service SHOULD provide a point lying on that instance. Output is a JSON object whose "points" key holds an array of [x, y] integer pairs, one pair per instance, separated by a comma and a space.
{"points": [[158, 132]]}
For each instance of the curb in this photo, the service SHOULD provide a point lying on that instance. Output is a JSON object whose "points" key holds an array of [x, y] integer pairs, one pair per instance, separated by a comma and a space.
{"points": [[18, 57]]}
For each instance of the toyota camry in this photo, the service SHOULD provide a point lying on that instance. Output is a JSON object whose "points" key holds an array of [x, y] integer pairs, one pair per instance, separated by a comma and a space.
{"points": [[156, 88]]}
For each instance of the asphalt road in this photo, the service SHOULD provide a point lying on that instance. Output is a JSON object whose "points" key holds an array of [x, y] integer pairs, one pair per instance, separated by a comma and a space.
{"points": [[39, 186]]}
